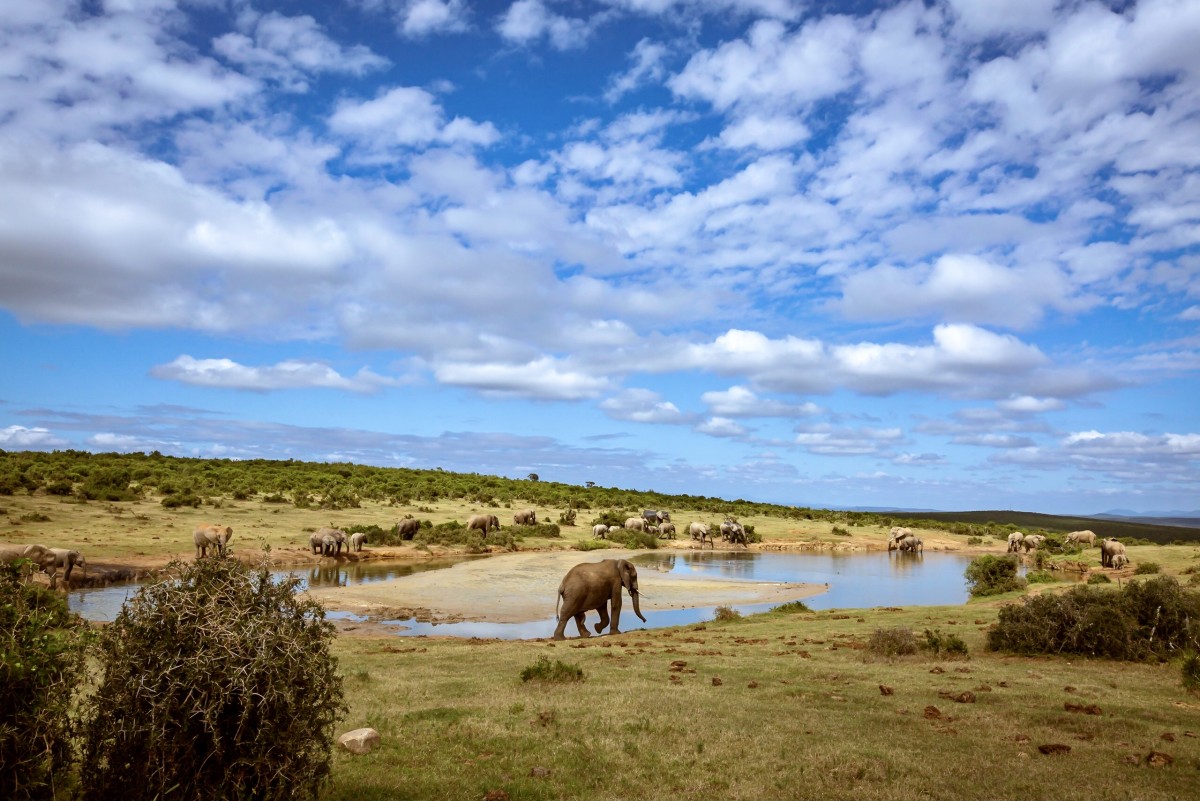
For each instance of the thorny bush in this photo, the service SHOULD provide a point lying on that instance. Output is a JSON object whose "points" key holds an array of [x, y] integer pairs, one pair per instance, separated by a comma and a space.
{"points": [[217, 683]]}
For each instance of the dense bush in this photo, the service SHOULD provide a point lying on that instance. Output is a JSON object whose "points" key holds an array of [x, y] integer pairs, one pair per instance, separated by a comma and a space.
{"points": [[897, 641], [41, 663], [217, 683], [632, 538], [1098, 578], [726, 614], [1152, 618], [992, 575], [950, 643], [1040, 577], [1190, 668], [791, 607], [182, 499], [1147, 568]]}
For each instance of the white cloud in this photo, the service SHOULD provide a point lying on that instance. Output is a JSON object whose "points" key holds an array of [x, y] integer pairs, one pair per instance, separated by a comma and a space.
{"points": [[739, 401], [527, 21], [543, 378], [1026, 404], [33, 438], [289, 374], [828, 440], [641, 406], [764, 133], [406, 116], [424, 17], [647, 66], [721, 427]]}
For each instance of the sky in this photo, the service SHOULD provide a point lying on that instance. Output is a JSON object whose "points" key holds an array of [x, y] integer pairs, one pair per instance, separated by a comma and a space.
{"points": [[934, 255]]}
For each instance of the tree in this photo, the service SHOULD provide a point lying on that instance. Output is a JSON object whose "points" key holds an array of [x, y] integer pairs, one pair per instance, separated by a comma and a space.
{"points": [[217, 683], [533, 476]]}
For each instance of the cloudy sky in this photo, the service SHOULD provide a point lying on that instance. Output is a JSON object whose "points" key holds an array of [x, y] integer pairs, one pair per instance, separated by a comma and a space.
{"points": [[939, 254]]}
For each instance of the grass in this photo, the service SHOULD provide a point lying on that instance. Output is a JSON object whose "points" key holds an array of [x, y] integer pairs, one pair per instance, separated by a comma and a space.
{"points": [[798, 713]]}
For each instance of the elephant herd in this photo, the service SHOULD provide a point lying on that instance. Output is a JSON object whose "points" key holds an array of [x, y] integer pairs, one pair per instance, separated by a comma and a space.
{"points": [[329, 541], [1112, 551], [904, 540], [47, 560], [731, 530]]}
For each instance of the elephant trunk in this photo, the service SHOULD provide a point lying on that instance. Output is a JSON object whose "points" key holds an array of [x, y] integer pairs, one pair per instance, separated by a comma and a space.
{"points": [[637, 606]]}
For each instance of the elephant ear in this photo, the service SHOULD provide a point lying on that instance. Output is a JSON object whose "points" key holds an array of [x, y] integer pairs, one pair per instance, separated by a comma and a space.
{"points": [[628, 572]]}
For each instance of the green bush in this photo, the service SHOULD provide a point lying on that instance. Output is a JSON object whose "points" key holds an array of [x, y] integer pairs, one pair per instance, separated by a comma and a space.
{"points": [[974, 540], [950, 643], [1190, 668], [898, 641], [1146, 619], [215, 679], [791, 607], [182, 499], [1147, 568], [549, 530], [556, 671], [992, 575], [632, 538], [726, 614], [841, 532], [41, 664], [1098, 578], [591, 545], [1040, 577]]}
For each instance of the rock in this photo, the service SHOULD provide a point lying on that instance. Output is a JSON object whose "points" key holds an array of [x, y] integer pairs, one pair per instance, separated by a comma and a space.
{"points": [[885, 690], [716, 682], [932, 713], [753, 685], [539, 772], [1157, 759], [1168, 736], [1054, 749], [359, 741]]}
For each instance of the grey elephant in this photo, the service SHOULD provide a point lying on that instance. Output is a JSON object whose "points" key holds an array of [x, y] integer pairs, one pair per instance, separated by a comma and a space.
{"points": [[596, 585], [357, 540], [1084, 538], [65, 557], [1110, 548], [39, 555], [666, 531], [1032, 542], [1119, 561], [408, 528], [912, 545], [212, 536], [896, 536], [484, 523], [699, 531], [1014, 541], [600, 531], [316, 541], [635, 523], [732, 531], [526, 517], [328, 541]]}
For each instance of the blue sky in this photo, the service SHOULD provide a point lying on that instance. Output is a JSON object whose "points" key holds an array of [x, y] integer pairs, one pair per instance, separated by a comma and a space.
{"points": [[937, 255]]}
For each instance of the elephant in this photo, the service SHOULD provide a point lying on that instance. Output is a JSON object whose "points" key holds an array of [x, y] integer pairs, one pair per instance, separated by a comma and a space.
{"points": [[407, 529], [596, 585], [65, 557], [652, 530], [656, 516], [526, 517], [666, 531], [699, 531], [1014, 541], [636, 523], [896, 536], [316, 541], [1032, 542], [1085, 538], [1110, 548], [40, 555], [600, 531], [484, 523], [328, 541], [1119, 561], [357, 540], [732, 531], [912, 545], [212, 536]]}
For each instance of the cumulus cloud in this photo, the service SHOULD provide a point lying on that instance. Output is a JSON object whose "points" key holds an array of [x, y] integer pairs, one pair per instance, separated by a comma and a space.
{"points": [[289, 374], [36, 438], [424, 17], [829, 440], [739, 401], [642, 406], [721, 427], [528, 21], [544, 378], [406, 116]]}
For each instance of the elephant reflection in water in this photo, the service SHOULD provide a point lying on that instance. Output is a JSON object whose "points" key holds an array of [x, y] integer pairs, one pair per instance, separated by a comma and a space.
{"points": [[326, 575]]}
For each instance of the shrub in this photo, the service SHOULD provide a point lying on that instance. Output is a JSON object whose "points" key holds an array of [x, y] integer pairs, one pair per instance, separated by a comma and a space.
{"points": [[974, 540], [841, 532], [632, 538], [218, 679], [550, 530], [556, 671], [791, 607], [60, 487], [1146, 619], [1147, 568], [992, 575], [1040, 577], [182, 499], [591, 545], [951, 643], [1098, 578], [41, 663], [726, 614], [1190, 665], [898, 641]]}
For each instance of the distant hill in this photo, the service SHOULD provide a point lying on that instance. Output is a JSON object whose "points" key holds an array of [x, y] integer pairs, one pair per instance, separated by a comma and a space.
{"points": [[1189, 521], [1103, 526]]}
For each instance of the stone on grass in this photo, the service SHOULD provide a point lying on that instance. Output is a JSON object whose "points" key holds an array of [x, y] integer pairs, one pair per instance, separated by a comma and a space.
{"points": [[359, 741]]}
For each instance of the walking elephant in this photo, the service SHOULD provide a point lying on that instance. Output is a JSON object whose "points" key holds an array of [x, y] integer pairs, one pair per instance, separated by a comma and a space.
{"points": [[1085, 538], [526, 517], [212, 536], [484, 523], [1110, 548], [666, 531], [357, 540], [635, 523], [407, 529], [699, 531], [1032, 542], [1014, 541], [40, 555], [912, 545], [600, 531], [65, 557], [596, 585]]}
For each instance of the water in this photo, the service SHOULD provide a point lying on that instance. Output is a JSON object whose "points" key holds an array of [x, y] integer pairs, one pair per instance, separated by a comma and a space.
{"points": [[855, 580]]}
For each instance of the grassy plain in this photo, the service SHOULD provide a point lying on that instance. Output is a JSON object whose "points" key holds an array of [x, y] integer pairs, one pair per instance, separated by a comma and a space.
{"points": [[782, 705]]}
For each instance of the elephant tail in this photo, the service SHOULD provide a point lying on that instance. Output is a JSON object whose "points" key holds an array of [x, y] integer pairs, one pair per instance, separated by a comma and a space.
{"points": [[558, 599]]}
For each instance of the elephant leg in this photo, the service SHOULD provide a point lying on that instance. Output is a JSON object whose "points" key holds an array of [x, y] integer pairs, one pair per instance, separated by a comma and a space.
{"points": [[559, 630], [616, 612], [581, 623], [603, 610]]}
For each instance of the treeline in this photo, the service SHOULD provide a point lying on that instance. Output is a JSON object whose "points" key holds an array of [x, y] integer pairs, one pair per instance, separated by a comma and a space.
{"points": [[186, 481]]}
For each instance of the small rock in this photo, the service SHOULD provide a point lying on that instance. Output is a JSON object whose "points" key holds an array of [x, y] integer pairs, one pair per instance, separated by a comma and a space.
{"points": [[1002, 684], [983, 688], [1168, 736], [1054, 749], [1022, 755], [1157, 759], [1133, 759], [1069, 689], [359, 741], [539, 772], [885, 690], [753, 685], [716, 682], [932, 713]]}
